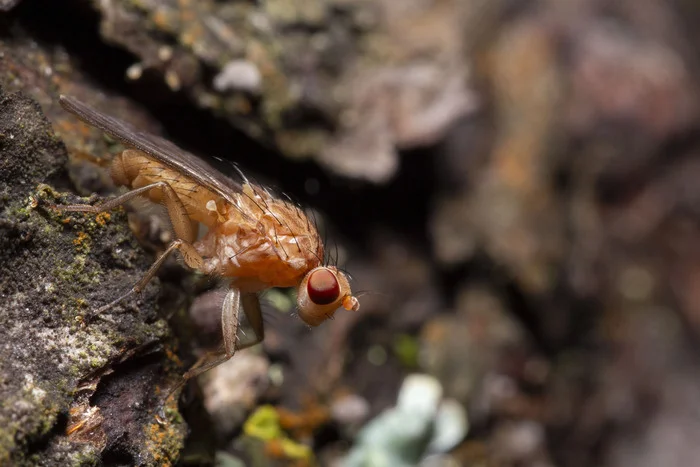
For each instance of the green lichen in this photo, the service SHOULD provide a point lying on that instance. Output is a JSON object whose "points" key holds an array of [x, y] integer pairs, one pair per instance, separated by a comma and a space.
{"points": [[264, 424], [76, 272]]}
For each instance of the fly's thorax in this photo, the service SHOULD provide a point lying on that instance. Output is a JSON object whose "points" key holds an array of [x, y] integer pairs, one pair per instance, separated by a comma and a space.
{"points": [[322, 291], [263, 240]]}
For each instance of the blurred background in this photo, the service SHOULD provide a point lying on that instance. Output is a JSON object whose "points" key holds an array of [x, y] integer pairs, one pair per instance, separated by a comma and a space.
{"points": [[513, 185]]}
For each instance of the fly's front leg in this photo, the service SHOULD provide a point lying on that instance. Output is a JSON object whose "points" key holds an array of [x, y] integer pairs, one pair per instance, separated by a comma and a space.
{"points": [[230, 314], [230, 323], [251, 307]]}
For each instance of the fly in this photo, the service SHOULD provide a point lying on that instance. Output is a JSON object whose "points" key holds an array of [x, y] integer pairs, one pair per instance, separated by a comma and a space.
{"points": [[254, 239]]}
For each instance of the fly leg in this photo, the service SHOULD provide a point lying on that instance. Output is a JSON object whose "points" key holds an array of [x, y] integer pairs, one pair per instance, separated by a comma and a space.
{"points": [[230, 313], [186, 249], [184, 227]]}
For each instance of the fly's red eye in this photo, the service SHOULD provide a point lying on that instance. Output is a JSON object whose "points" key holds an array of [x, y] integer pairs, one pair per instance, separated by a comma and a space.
{"points": [[323, 287]]}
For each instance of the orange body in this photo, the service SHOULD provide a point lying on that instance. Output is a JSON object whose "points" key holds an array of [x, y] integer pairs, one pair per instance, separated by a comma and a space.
{"points": [[260, 242]]}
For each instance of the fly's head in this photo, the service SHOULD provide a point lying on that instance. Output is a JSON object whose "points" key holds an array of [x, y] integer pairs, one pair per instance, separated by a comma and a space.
{"points": [[323, 290]]}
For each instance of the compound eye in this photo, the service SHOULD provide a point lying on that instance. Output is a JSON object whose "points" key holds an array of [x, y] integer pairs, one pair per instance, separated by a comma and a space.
{"points": [[323, 287]]}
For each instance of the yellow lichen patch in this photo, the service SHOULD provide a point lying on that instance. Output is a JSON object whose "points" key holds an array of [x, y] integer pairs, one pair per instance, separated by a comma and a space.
{"points": [[264, 424], [156, 436], [162, 441], [102, 218], [285, 448], [82, 242]]}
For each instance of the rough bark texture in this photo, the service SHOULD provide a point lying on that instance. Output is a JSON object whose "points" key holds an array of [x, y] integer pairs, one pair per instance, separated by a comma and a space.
{"points": [[64, 369], [536, 249]]}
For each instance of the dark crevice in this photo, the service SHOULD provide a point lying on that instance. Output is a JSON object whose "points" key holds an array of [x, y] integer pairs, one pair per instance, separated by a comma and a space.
{"points": [[125, 397], [117, 457], [104, 388]]}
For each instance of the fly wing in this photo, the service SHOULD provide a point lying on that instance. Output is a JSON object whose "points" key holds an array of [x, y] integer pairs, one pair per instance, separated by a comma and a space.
{"points": [[161, 149]]}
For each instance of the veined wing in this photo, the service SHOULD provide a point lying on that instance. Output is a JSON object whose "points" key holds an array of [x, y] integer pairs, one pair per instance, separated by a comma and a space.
{"points": [[161, 149]]}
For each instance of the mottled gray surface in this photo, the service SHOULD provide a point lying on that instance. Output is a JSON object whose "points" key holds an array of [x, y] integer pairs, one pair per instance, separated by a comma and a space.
{"points": [[75, 387]]}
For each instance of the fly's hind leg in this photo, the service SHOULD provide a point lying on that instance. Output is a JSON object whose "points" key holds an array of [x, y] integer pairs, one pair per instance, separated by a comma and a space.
{"points": [[192, 258], [184, 227], [230, 314]]}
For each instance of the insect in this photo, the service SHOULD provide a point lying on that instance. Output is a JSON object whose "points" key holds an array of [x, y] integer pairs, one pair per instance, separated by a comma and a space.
{"points": [[254, 240]]}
